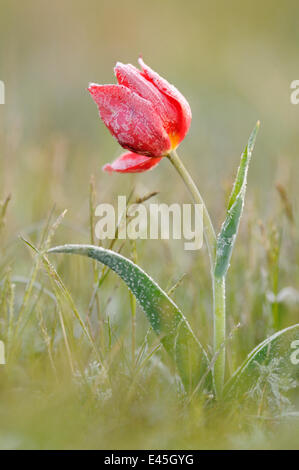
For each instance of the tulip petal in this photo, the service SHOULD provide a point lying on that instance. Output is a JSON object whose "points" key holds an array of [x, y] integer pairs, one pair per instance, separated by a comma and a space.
{"points": [[130, 162], [131, 119], [177, 98], [131, 77]]}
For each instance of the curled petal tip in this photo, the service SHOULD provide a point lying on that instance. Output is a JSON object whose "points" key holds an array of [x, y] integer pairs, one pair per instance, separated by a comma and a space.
{"points": [[107, 167], [140, 61], [117, 66], [92, 87]]}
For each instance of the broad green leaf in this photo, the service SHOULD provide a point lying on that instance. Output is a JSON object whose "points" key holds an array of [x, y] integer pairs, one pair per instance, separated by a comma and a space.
{"points": [[277, 355], [229, 229], [164, 316]]}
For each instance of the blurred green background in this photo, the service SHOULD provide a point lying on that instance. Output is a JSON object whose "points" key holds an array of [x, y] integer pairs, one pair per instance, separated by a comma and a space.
{"points": [[234, 61]]}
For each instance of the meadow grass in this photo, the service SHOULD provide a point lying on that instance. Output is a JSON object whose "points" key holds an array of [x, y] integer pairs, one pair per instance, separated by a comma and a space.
{"points": [[81, 373], [83, 369]]}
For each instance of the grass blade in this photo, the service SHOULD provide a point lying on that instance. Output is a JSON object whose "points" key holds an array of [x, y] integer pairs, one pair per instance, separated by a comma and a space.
{"points": [[164, 316], [229, 229], [281, 350]]}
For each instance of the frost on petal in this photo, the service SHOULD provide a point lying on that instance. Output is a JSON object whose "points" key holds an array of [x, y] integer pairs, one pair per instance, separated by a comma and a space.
{"points": [[131, 119], [132, 163], [182, 105], [131, 77]]}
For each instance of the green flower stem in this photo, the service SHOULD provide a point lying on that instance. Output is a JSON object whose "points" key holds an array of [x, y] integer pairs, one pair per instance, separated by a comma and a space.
{"points": [[218, 284], [208, 228], [219, 332]]}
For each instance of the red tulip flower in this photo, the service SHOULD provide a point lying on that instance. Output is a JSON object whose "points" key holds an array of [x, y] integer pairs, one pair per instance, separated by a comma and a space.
{"points": [[148, 116]]}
